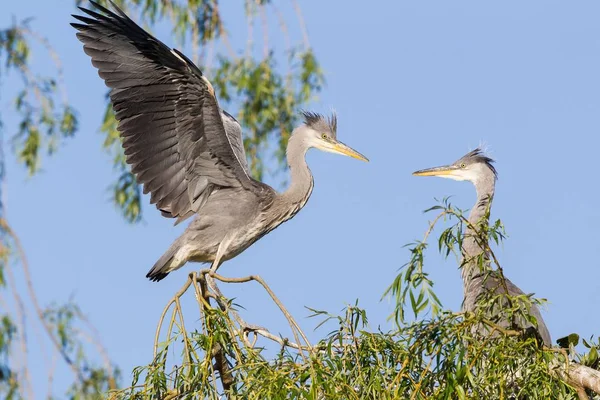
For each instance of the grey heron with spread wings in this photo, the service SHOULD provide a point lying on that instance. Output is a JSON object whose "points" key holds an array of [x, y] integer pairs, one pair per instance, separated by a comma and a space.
{"points": [[478, 169], [186, 151]]}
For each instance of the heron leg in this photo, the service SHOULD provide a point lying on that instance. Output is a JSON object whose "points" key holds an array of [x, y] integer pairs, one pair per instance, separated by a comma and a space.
{"points": [[220, 253], [215, 265]]}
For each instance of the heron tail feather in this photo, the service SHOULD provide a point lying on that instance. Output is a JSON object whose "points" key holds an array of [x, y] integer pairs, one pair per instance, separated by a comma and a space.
{"points": [[166, 263]]}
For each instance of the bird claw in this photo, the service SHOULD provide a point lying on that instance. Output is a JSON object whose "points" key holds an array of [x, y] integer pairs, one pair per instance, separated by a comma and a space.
{"points": [[252, 328], [249, 328]]}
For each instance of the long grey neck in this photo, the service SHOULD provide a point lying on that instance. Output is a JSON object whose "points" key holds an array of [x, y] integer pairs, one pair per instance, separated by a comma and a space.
{"points": [[472, 245], [301, 185]]}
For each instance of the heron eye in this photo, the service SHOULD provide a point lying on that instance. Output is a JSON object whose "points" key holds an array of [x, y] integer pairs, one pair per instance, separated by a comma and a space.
{"points": [[463, 165], [324, 136]]}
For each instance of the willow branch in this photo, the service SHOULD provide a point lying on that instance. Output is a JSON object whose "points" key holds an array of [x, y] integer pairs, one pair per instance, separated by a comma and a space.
{"points": [[221, 365], [265, 28], [247, 328], [222, 33], [227, 379], [250, 34], [483, 243], [36, 304], [177, 295], [284, 28], [293, 324], [577, 375], [302, 24], [55, 58], [96, 341], [20, 311]]}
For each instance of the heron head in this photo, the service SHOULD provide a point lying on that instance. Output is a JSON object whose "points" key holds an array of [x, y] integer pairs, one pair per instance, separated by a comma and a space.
{"points": [[322, 134], [472, 167]]}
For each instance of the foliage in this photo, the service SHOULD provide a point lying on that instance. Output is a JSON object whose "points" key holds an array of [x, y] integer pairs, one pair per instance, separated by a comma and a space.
{"points": [[439, 355], [435, 353], [45, 114], [65, 326], [266, 100], [46, 120], [69, 325]]}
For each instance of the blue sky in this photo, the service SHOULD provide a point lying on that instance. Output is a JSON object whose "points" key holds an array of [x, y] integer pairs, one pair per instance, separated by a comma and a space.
{"points": [[415, 84]]}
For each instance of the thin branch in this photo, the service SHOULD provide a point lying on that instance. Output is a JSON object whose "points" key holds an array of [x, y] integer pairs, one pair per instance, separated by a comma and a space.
{"points": [[34, 300], [283, 26], [210, 56], [302, 25], [247, 328], [483, 243], [21, 318], [265, 28], [496, 327], [258, 279], [195, 38], [96, 341], [432, 225], [55, 58], [250, 34], [222, 34], [205, 289], [177, 295], [51, 371]]}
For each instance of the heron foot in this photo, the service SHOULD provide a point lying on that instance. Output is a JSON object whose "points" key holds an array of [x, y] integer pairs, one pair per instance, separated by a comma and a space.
{"points": [[246, 327]]}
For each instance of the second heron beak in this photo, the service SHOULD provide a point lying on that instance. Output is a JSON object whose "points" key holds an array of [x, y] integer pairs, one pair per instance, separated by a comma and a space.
{"points": [[436, 171], [341, 148]]}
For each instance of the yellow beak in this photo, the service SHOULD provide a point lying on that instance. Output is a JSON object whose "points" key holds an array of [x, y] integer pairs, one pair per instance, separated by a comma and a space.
{"points": [[435, 171], [341, 148]]}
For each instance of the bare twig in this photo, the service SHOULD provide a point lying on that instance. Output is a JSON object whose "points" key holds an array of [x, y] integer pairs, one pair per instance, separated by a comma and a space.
{"points": [[265, 28], [250, 34], [205, 289], [55, 58], [283, 26], [34, 300], [51, 370], [302, 25], [177, 295], [432, 225], [195, 38], [210, 56], [21, 329], [293, 324], [96, 341]]}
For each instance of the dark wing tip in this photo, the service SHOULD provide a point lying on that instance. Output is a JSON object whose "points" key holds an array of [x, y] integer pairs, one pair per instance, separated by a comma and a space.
{"points": [[157, 276]]}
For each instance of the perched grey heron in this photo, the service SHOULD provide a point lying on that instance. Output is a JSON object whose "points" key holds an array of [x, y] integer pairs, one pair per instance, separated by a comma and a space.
{"points": [[478, 169], [186, 151]]}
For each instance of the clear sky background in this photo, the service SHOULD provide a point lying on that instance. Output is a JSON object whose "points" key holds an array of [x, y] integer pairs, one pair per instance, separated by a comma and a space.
{"points": [[415, 84]]}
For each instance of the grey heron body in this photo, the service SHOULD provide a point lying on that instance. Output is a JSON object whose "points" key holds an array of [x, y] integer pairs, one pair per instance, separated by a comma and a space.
{"points": [[478, 169], [186, 151]]}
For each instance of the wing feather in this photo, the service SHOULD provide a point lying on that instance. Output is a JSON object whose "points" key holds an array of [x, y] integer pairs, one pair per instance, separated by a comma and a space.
{"points": [[179, 143]]}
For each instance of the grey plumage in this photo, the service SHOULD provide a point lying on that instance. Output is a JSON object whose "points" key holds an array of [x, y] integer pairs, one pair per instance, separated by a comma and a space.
{"points": [[477, 168], [317, 122], [187, 152]]}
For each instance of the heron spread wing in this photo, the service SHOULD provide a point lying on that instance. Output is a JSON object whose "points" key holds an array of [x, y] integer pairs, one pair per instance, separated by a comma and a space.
{"points": [[234, 134], [172, 128]]}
